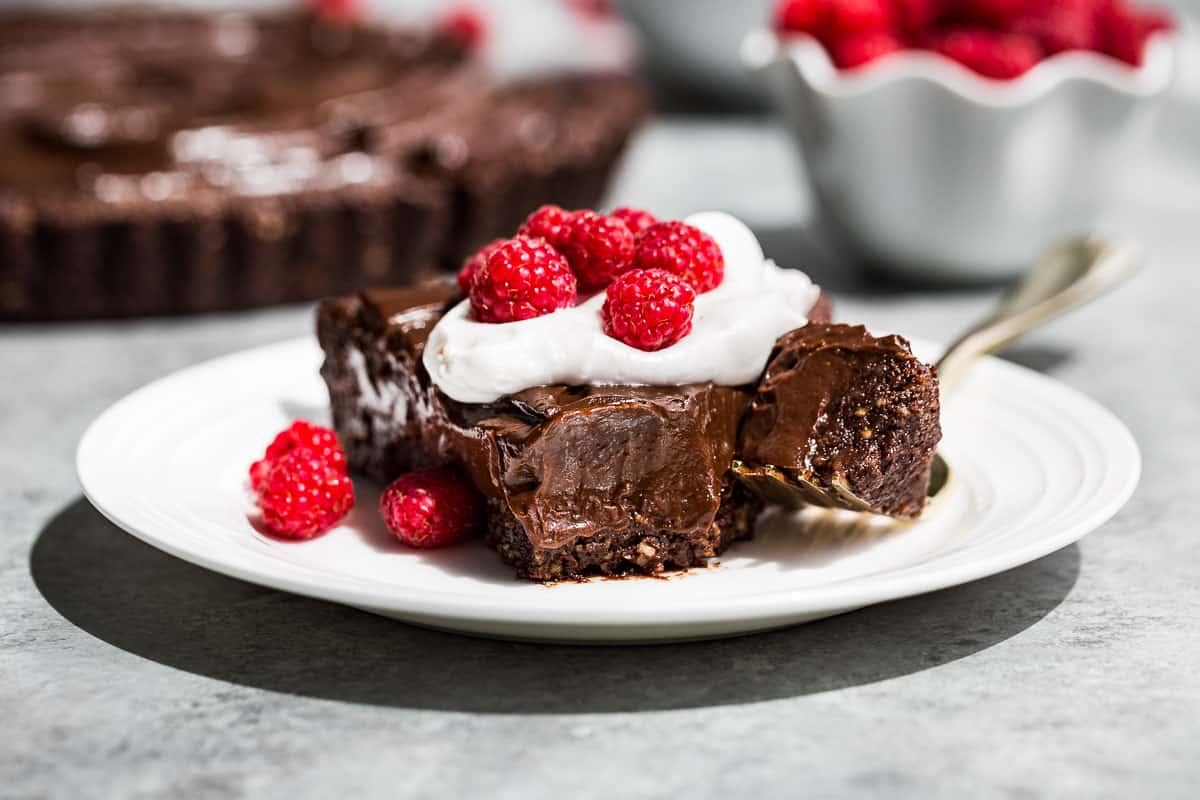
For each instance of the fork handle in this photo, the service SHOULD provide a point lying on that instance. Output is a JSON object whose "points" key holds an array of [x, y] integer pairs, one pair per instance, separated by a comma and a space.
{"points": [[1067, 275]]}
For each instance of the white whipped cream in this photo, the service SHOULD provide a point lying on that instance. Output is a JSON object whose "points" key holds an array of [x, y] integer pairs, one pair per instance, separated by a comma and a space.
{"points": [[733, 330]]}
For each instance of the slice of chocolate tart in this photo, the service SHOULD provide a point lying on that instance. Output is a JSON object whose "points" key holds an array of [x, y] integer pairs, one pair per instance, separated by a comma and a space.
{"points": [[842, 418]]}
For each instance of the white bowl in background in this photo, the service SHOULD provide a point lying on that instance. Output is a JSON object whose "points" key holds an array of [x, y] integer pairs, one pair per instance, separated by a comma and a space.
{"points": [[928, 168], [696, 42]]}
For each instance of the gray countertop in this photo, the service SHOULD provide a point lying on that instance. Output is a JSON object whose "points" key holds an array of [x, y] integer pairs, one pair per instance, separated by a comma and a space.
{"points": [[124, 672]]}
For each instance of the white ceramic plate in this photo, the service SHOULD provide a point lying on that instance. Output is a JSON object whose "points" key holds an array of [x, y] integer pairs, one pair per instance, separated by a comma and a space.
{"points": [[1034, 467]]}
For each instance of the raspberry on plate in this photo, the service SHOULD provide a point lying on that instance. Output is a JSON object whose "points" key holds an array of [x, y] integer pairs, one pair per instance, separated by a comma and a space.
{"points": [[598, 248], [683, 250], [474, 263], [854, 51], [993, 55], [300, 434], [649, 309], [635, 219], [522, 278], [304, 495], [546, 223], [432, 508]]}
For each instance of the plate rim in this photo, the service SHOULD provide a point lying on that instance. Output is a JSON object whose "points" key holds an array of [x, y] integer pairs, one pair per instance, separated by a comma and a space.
{"points": [[758, 607]]}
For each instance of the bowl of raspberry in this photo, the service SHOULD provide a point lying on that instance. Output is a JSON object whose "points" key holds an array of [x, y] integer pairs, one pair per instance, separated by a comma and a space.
{"points": [[954, 139]]}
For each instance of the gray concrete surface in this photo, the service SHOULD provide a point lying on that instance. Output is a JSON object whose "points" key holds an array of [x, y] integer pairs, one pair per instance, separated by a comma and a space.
{"points": [[125, 673]]}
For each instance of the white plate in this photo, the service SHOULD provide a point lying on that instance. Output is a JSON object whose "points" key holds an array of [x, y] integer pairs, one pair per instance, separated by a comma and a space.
{"points": [[1034, 467]]}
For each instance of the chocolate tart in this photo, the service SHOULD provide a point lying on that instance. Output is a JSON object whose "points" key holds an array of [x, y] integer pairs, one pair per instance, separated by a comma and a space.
{"points": [[171, 162], [584, 480]]}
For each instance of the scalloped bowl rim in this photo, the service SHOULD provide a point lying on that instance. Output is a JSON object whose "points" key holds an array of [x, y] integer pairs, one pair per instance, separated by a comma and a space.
{"points": [[763, 47]]}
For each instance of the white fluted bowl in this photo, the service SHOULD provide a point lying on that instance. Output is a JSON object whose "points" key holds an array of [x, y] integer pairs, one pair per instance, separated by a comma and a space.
{"points": [[932, 170]]}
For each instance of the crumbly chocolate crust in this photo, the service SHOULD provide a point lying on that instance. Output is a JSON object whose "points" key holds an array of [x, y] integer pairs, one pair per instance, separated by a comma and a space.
{"points": [[172, 162], [637, 548], [838, 407]]}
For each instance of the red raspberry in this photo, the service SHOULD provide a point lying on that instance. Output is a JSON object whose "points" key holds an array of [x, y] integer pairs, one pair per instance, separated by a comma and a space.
{"points": [[1155, 20], [994, 12], [522, 278], [1059, 25], [914, 17], [649, 309], [546, 223], [635, 219], [865, 47], [300, 434], [304, 495], [474, 263], [597, 248], [341, 11], [993, 55], [802, 16], [850, 17], [432, 508], [1121, 32], [466, 25], [683, 250]]}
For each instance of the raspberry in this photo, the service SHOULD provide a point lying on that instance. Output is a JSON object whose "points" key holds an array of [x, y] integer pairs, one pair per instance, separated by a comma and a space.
{"points": [[431, 508], [546, 223], [994, 12], [993, 55], [597, 248], [474, 263], [1121, 33], [802, 16], [850, 17], [259, 471], [648, 309], [304, 495], [683, 250], [863, 48], [300, 434], [1059, 25], [1155, 20], [522, 278], [465, 25], [635, 219], [914, 17]]}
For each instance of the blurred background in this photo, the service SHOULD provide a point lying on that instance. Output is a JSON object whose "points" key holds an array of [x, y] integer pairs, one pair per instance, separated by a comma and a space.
{"points": [[893, 186]]}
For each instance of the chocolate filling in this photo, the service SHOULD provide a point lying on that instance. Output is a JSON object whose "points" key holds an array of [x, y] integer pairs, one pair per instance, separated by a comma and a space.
{"points": [[580, 480], [608, 479], [838, 409]]}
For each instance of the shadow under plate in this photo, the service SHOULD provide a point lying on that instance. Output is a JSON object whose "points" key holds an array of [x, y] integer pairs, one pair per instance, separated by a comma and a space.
{"points": [[160, 608]]}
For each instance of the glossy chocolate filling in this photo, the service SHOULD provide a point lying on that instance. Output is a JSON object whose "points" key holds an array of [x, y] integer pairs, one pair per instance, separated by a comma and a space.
{"points": [[839, 406], [615, 478]]}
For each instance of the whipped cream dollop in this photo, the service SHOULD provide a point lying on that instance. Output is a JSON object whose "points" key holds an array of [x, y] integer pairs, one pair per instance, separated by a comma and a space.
{"points": [[733, 330]]}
